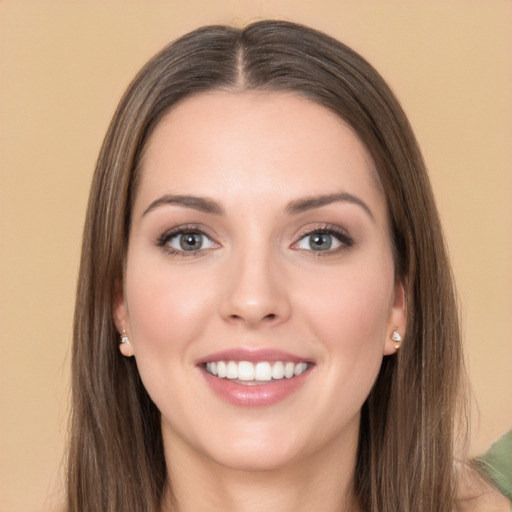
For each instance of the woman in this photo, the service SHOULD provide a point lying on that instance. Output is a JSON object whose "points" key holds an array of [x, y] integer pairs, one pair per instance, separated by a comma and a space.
{"points": [[265, 314]]}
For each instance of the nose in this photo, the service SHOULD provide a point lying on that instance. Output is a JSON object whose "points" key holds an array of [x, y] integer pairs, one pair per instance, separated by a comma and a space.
{"points": [[256, 292]]}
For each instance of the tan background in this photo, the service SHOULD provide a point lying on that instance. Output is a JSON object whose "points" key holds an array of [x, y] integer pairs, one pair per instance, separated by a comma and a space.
{"points": [[63, 67]]}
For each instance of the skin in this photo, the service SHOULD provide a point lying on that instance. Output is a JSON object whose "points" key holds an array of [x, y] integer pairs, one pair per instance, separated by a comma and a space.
{"points": [[257, 283]]}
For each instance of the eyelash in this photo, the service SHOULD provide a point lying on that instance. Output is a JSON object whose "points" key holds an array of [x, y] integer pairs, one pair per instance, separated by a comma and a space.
{"points": [[166, 237], [345, 240], [325, 229]]}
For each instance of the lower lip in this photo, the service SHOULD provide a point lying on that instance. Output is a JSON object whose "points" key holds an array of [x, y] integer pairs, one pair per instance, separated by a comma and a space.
{"points": [[255, 395]]}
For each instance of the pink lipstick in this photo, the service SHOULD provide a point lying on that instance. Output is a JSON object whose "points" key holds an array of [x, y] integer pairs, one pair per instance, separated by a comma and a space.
{"points": [[254, 378]]}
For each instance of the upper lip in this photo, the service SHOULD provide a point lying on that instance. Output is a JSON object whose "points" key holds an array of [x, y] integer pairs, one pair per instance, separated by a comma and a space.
{"points": [[253, 356]]}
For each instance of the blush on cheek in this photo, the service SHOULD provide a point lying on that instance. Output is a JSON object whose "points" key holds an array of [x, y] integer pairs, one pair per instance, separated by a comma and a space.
{"points": [[167, 309], [357, 307]]}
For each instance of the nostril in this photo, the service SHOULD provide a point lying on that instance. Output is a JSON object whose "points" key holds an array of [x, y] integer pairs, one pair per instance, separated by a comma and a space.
{"points": [[270, 317]]}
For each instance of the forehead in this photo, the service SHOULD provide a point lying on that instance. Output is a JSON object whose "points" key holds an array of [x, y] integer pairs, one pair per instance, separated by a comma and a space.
{"points": [[255, 144]]}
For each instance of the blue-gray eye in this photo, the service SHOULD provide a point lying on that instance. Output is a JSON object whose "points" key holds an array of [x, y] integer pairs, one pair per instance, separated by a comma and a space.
{"points": [[318, 241], [190, 241]]}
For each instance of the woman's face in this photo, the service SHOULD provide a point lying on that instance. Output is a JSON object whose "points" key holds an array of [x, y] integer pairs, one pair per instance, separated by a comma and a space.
{"points": [[259, 248]]}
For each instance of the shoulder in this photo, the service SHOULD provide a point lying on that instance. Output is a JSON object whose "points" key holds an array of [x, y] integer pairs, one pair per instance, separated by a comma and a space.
{"points": [[476, 494], [496, 464]]}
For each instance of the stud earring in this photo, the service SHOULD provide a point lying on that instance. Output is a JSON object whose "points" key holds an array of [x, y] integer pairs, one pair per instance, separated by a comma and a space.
{"points": [[396, 338], [124, 338], [125, 346]]}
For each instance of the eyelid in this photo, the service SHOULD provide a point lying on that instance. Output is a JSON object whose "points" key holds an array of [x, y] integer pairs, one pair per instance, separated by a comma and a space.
{"points": [[166, 236], [345, 239]]}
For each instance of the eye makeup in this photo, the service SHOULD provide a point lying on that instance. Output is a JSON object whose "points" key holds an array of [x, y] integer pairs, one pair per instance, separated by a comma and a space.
{"points": [[324, 240], [191, 241]]}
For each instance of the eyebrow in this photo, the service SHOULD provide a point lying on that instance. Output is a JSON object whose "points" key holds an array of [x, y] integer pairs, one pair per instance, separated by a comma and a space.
{"points": [[310, 203], [202, 204], [206, 205]]}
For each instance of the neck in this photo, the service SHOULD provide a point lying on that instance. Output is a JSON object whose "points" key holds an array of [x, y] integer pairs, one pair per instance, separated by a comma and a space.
{"points": [[323, 481]]}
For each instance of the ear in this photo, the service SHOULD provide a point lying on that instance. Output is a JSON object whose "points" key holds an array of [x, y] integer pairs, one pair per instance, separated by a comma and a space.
{"points": [[397, 319], [121, 320]]}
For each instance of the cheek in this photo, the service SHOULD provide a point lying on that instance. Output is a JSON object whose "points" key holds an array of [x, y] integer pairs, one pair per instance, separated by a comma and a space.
{"points": [[167, 310], [349, 314]]}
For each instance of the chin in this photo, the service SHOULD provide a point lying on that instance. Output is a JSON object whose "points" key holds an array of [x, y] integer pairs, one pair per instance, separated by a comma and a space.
{"points": [[257, 458], [264, 446]]}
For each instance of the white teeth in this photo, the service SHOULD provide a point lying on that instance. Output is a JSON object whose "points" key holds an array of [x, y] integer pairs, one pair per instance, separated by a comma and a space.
{"points": [[278, 370], [221, 369], [289, 370], [245, 370], [232, 370], [300, 368], [263, 371]]}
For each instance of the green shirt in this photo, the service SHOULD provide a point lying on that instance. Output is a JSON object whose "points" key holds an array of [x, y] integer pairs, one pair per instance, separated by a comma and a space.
{"points": [[496, 464]]}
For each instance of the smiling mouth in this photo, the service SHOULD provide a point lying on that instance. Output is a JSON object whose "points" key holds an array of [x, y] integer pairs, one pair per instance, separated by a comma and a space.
{"points": [[263, 372]]}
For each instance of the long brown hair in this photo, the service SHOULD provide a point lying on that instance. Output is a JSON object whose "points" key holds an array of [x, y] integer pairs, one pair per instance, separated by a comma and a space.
{"points": [[406, 444]]}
